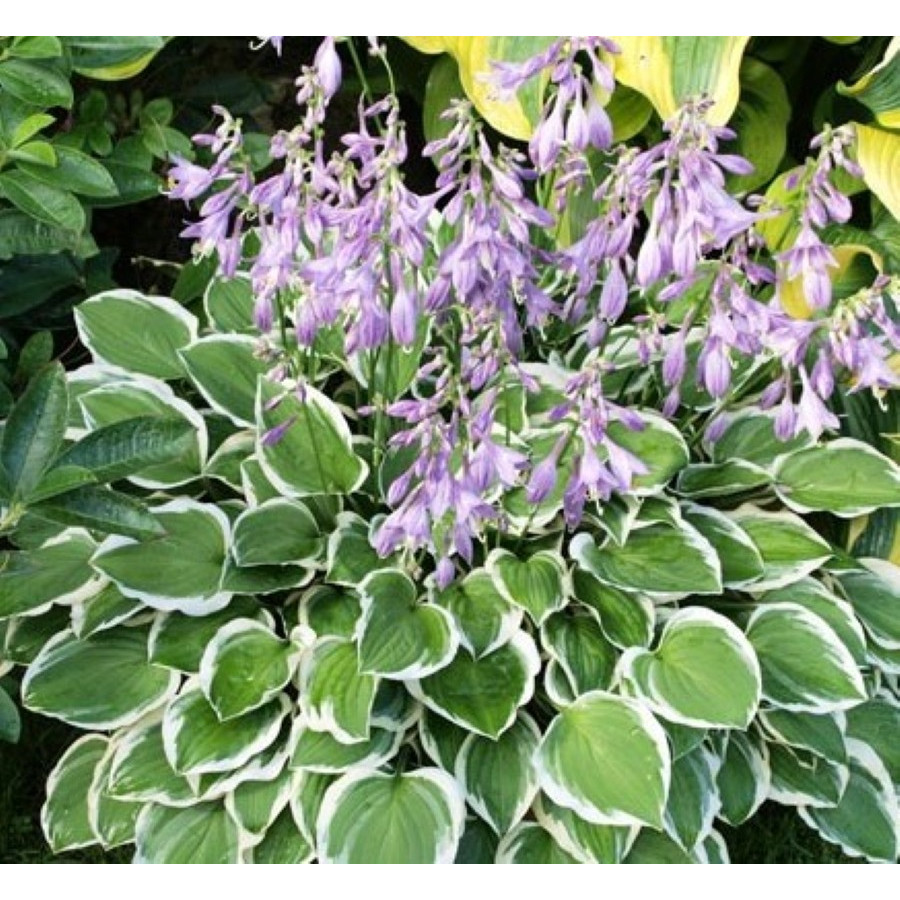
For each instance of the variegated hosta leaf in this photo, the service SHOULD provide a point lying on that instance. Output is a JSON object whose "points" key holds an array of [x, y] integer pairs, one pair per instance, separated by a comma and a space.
{"points": [[103, 610], [102, 682], [483, 695], [350, 553], [626, 619], [877, 723], [804, 779], [329, 611], [577, 643], [874, 594], [805, 666], [255, 805], [740, 560], [703, 674], [499, 776], [441, 739], [244, 666], [334, 695], [587, 842], [530, 844], [203, 833], [478, 844], [607, 759], [277, 533], [536, 584], [283, 844], [228, 303], [656, 848], [112, 820], [693, 798], [878, 152], [398, 637], [820, 734], [320, 751], [721, 479], [879, 88], [750, 437], [196, 741], [375, 817], [182, 571], [743, 778], [307, 793]]}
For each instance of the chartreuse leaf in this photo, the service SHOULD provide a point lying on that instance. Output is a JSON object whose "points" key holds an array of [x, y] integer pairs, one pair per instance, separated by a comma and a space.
{"points": [[845, 477], [320, 751], [102, 682], [670, 70], [374, 817], [64, 815], [34, 430], [225, 369], [740, 560], [659, 559], [537, 584], [626, 619], [181, 571], [499, 776], [606, 758], [530, 844], [200, 834], [805, 665], [587, 842], [874, 594], [703, 673], [483, 695], [196, 741], [314, 455], [865, 820], [283, 844], [878, 153], [112, 820], [398, 637], [743, 778], [254, 805], [278, 532], [577, 643], [334, 695], [135, 332], [879, 88], [245, 666], [484, 618]]}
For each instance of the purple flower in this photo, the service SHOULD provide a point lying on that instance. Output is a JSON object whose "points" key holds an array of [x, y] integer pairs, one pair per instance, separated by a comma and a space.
{"points": [[327, 64]]}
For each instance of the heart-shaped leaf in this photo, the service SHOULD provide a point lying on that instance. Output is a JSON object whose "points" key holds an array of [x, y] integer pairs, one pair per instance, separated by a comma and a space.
{"points": [[536, 584]]}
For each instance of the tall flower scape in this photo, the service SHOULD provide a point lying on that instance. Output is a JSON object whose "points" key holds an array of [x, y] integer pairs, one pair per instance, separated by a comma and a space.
{"points": [[527, 534]]}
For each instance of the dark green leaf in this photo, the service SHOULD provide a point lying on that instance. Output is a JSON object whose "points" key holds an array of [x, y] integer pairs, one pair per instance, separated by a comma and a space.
{"points": [[41, 201], [37, 84]]}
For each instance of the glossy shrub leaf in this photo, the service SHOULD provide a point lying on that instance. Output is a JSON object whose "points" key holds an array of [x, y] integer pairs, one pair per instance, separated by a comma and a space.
{"points": [[368, 817], [35, 84], [200, 834], [805, 666], [136, 332], [75, 171], [530, 844], [277, 532], [607, 759], [51, 205], [483, 695], [399, 637], [314, 455], [244, 666], [102, 682], [536, 584], [100, 509], [845, 477], [703, 672]]}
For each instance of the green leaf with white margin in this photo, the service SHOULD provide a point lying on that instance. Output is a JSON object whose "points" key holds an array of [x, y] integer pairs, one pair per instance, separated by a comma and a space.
{"points": [[478, 844], [263, 766], [703, 673], [789, 548], [484, 618], [530, 844], [750, 437], [805, 665], [103, 610], [177, 641], [845, 477], [866, 820], [255, 805], [822, 735], [394, 707], [499, 776], [283, 844], [397, 636], [225, 463], [743, 779], [587, 842], [723, 479], [23, 637], [329, 611], [196, 741], [320, 751], [658, 445], [626, 619], [578, 644], [225, 369], [307, 792], [119, 401], [203, 834], [179, 572], [351, 555], [137, 333], [693, 802], [245, 666], [34, 431], [315, 454], [228, 303], [658, 560], [277, 533], [811, 594], [59, 572], [373, 817], [334, 695], [656, 848], [103, 682], [64, 815], [804, 779], [139, 770], [441, 739], [112, 820], [874, 594], [740, 560], [483, 695], [877, 723], [606, 758], [536, 584]]}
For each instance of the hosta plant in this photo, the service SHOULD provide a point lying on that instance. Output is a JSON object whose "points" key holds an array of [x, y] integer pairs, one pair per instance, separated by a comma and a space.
{"points": [[505, 523]]}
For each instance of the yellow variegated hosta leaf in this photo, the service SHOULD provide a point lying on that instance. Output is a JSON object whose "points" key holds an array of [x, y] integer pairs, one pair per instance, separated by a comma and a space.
{"points": [[843, 40], [879, 89], [121, 71], [669, 70], [428, 44], [878, 152]]}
